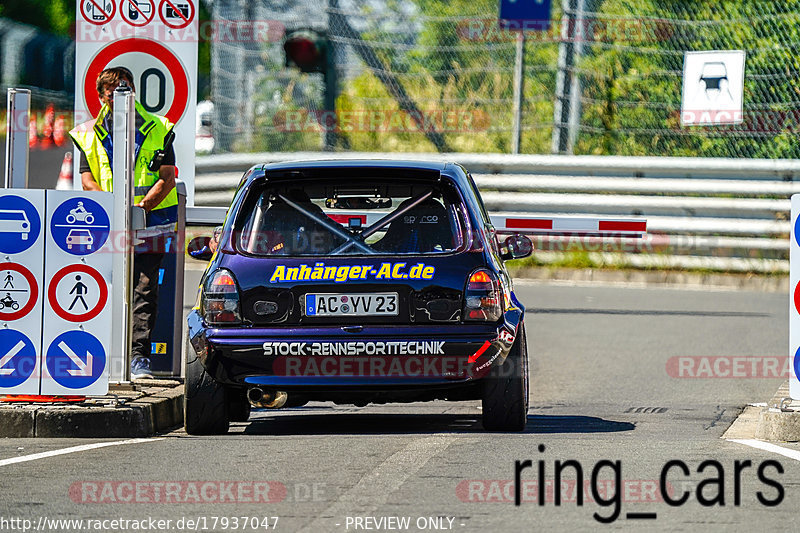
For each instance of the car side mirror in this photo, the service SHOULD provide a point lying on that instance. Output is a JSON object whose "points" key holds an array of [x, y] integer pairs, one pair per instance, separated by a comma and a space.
{"points": [[199, 248], [517, 246]]}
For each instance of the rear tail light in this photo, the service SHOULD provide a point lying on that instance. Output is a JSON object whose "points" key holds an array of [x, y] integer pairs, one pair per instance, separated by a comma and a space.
{"points": [[220, 300], [482, 297]]}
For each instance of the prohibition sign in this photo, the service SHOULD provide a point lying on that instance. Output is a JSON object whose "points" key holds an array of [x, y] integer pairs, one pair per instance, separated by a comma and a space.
{"points": [[146, 46], [74, 317], [95, 6], [34, 287], [174, 7], [135, 11]]}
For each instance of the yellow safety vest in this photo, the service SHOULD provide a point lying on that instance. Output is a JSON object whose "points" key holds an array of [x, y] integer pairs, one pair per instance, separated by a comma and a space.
{"points": [[89, 138]]}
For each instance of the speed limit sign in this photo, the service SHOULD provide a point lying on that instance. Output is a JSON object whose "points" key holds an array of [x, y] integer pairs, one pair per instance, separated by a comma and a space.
{"points": [[162, 55]]}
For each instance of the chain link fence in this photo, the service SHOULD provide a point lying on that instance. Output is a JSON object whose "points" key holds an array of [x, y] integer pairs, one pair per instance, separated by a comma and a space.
{"points": [[600, 77], [423, 75]]}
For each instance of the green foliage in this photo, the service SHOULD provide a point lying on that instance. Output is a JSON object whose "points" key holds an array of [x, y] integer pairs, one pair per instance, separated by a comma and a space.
{"points": [[632, 83], [54, 16]]}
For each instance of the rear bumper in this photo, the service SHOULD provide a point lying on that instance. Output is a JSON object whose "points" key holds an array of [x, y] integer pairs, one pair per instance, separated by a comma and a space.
{"points": [[373, 359]]}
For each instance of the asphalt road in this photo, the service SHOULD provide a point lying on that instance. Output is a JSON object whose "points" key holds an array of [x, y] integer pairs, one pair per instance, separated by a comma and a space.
{"points": [[602, 390]]}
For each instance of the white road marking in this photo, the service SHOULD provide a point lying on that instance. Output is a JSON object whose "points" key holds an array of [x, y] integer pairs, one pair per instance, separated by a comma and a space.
{"points": [[376, 486], [766, 446], [73, 449]]}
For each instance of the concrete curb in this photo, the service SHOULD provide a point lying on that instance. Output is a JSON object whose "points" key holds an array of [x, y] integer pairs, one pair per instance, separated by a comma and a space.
{"points": [[779, 424], [141, 410], [655, 278]]}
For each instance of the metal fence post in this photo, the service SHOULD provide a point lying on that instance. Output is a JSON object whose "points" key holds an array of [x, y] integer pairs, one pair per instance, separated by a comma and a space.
{"points": [[17, 119], [519, 86], [122, 288]]}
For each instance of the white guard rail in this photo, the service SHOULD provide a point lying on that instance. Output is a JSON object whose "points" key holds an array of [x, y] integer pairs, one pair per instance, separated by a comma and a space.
{"points": [[729, 214]]}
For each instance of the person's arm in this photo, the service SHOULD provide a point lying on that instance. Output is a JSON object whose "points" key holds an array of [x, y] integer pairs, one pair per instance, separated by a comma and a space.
{"points": [[87, 178], [161, 189], [88, 182]]}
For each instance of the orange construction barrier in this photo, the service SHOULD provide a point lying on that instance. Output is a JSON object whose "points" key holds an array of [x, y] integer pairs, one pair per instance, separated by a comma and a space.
{"points": [[34, 398]]}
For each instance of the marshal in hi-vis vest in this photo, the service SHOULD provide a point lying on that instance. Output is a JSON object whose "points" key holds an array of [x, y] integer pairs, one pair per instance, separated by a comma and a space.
{"points": [[95, 142]]}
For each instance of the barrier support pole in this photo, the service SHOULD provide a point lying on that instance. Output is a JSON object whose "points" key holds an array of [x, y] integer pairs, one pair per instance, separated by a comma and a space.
{"points": [[124, 118], [17, 119]]}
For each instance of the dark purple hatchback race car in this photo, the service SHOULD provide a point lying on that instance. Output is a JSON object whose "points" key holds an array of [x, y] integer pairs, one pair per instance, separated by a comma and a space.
{"points": [[356, 282]]}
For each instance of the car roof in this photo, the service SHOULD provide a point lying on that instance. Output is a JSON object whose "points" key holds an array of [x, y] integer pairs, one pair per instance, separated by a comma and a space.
{"points": [[355, 163]]}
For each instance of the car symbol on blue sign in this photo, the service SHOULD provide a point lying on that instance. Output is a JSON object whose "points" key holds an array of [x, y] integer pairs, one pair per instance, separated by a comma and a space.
{"points": [[75, 359], [19, 224], [17, 358], [80, 226]]}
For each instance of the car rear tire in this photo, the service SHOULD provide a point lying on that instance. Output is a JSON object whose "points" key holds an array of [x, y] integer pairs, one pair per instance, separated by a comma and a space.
{"points": [[238, 406], [505, 390], [205, 409]]}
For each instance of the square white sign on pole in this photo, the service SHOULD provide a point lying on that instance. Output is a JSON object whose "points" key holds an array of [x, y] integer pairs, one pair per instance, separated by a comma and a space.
{"points": [[22, 229], [713, 88], [76, 332]]}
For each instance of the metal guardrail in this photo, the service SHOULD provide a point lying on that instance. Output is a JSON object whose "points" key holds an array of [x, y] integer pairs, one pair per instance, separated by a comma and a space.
{"points": [[717, 214]]}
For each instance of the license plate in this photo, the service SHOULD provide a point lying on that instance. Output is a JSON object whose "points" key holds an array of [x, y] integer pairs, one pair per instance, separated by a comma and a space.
{"points": [[369, 304]]}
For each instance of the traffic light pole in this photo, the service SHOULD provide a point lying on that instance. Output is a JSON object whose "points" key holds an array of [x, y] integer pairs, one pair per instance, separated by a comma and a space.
{"points": [[330, 96]]}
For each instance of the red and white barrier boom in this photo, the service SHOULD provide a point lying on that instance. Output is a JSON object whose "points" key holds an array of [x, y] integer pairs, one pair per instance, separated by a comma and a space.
{"points": [[622, 227]]}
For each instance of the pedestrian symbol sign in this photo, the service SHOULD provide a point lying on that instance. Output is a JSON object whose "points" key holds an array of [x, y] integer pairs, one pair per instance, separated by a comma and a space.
{"points": [[19, 224], [18, 358], [80, 226], [19, 293], [77, 293], [76, 360]]}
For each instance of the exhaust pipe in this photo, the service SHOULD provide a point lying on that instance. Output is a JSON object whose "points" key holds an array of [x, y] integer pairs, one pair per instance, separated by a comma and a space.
{"points": [[268, 399]]}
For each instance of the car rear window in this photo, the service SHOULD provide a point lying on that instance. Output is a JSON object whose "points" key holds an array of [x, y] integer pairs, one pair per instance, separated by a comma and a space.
{"points": [[339, 216]]}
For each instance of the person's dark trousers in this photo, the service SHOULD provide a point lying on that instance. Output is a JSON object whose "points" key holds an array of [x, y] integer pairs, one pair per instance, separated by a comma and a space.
{"points": [[145, 300]]}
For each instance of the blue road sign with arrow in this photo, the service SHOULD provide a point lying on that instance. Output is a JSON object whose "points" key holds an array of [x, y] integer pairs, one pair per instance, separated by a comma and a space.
{"points": [[17, 358], [75, 359]]}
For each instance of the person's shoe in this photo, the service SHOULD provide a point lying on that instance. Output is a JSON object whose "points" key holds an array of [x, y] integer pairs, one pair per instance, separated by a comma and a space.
{"points": [[140, 368]]}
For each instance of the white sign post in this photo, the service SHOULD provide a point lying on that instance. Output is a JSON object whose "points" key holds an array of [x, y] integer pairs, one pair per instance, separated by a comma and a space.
{"points": [[713, 88], [17, 120], [157, 41], [794, 301], [77, 328]]}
